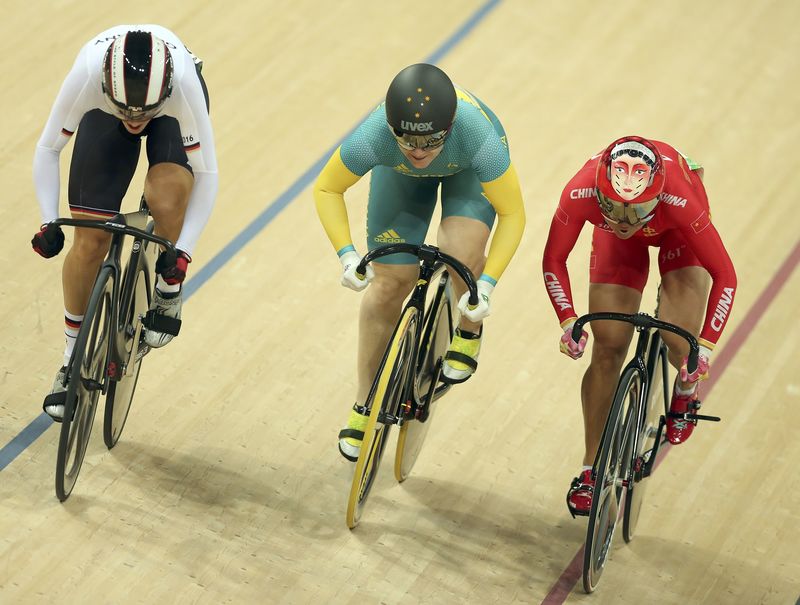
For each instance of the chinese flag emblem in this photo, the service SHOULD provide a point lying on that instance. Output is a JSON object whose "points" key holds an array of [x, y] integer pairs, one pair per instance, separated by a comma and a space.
{"points": [[701, 222]]}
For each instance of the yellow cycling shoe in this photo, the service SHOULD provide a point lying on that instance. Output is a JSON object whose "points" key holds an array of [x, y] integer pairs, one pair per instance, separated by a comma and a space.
{"points": [[350, 437], [461, 359]]}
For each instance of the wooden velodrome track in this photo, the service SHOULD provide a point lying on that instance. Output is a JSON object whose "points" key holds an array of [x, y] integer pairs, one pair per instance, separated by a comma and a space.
{"points": [[227, 487]]}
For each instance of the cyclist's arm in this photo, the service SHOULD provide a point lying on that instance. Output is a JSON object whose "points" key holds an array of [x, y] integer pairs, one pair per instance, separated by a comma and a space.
{"points": [[329, 189], [65, 115], [505, 196], [564, 232], [704, 240]]}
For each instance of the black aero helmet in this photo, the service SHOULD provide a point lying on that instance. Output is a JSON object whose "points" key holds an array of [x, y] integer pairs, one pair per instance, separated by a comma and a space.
{"points": [[421, 100], [137, 75]]}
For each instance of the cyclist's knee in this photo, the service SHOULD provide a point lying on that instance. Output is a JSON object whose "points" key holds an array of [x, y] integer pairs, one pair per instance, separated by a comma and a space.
{"points": [[608, 359], [90, 245], [677, 348], [167, 187], [392, 283], [609, 347], [465, 239]]}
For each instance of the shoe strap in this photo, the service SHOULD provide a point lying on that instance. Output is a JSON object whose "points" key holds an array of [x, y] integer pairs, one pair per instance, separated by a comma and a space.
{"points": [[469, 335], [351, 434], [162, 323], [465, 359]]}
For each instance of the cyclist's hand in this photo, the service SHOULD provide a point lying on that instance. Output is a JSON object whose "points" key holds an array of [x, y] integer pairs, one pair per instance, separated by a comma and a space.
{"points": [[172, 266], [568, 346], [481, 310], [701, 373], [48, 241], [351, 279]]}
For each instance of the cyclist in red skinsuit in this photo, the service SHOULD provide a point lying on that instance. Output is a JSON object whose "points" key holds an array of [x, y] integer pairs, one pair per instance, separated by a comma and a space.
{"points": [[638, 193]]}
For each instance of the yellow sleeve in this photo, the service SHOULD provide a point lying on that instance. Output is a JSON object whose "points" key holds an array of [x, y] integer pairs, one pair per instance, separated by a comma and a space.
{"points": [[505, 196], [329, 190]]}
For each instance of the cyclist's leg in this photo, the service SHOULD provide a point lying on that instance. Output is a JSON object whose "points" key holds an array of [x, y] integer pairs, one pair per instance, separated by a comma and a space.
{"points": [[169, 179], [617, 273], [467, 219], [610, 341], [380, 309], [684, 296], [399, 210], [167, 188], [102, 165]]}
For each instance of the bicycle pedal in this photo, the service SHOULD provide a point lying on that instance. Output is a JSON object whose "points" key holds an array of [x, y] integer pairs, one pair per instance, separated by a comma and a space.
{"points": [[162, 323], [697, 417], [689, 416]]}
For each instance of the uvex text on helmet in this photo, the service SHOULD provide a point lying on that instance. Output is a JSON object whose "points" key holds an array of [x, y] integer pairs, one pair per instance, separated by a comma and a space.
{"points": [[421, 100]]}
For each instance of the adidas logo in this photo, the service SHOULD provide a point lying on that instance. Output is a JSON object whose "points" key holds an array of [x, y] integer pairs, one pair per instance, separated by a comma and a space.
{"points": [[389, 237]]}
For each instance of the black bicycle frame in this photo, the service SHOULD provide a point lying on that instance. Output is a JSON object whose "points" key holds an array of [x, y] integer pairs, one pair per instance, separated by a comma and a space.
{"points": [[118, 225], [644, 324], [433, 261]]}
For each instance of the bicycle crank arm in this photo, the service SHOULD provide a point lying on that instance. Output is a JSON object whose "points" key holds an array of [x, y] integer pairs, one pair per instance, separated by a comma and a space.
{"points": [[138, 348], [91, 385], [660, 440], [434, 392], [144, 349], [387, 418], [704, 417]]}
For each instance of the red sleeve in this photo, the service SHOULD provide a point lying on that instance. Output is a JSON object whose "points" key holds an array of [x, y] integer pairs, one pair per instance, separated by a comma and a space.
{"points": [[704, 240], [577, 202], [693, 219]]}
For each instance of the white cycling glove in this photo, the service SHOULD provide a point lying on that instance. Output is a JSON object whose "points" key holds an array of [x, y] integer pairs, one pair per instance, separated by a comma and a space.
{"points": [[350, 279], [481, 310]]}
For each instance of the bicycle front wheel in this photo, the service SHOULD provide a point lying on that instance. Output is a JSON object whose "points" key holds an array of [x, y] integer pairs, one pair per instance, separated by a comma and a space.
{"points": [[658, 398], [85, 383], [120, 392], [613, 464], [436, 339], [390, 387]]}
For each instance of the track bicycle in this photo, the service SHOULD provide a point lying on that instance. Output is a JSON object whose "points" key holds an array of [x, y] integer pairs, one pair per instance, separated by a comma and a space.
{"points": [[632, 436], [110, 344], [408, 381]]}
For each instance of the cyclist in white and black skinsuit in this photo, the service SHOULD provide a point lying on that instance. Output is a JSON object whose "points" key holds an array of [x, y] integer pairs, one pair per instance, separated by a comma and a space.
{"points": [[128, 82]]}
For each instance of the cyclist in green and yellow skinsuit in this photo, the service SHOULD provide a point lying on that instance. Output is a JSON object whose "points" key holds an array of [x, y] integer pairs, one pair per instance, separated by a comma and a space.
{"points": [[428, 133]]}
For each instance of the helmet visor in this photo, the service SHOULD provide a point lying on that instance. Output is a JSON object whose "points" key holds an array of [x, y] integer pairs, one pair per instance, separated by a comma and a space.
{"points": [[426, 142], [130, 114], [624, 212]]}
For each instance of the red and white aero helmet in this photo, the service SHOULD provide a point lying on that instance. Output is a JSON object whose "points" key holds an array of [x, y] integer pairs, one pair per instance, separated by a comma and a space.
{"points": [[630, 177], [137, 75]]}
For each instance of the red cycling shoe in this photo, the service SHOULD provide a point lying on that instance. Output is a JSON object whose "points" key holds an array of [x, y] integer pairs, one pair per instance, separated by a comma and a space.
{"points": [[680, 429], [579, 496]]}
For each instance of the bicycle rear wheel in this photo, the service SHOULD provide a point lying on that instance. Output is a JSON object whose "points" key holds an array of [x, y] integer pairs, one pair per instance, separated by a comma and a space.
{"points": [[85, 383], [657, 400], [611, 470], [135, 292], [436, 339], [390, 387]]}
